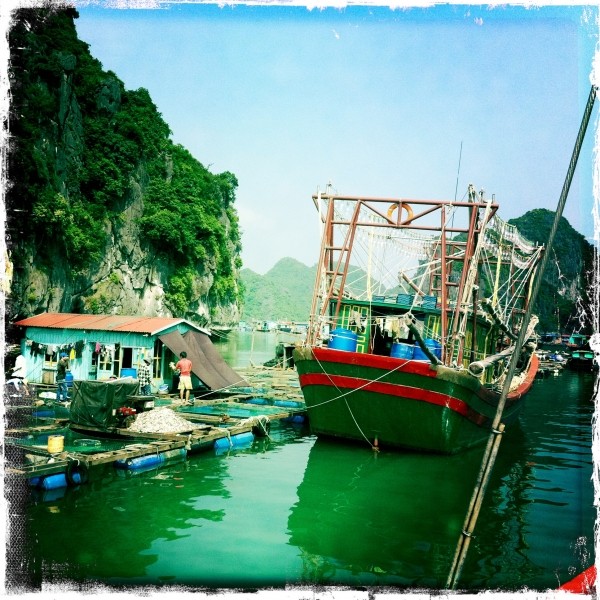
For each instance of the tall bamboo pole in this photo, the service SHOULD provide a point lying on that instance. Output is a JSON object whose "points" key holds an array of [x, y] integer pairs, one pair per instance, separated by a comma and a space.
{"points": [[496, 432]]}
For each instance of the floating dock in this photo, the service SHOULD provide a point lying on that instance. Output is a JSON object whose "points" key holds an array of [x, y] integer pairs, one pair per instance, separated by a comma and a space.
{"points": [[217, 421]]}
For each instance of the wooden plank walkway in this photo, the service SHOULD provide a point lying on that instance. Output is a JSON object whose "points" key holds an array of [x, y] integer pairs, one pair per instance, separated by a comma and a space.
{"points": [[273, 384]]}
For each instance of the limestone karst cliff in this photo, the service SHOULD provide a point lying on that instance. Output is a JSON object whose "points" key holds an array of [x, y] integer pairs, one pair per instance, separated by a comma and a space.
{"points": [[105, 214]]}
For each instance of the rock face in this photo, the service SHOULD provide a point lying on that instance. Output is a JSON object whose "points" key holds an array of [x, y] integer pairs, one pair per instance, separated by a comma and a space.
{"points": [[129, 275]]}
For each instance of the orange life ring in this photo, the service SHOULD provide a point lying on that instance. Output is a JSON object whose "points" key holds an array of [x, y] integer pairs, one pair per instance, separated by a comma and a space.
{"points": [[406, 207]]}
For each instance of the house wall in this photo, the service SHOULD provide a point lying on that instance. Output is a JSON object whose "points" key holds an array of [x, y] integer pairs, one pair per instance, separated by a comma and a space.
{"points": [[41, 366]]}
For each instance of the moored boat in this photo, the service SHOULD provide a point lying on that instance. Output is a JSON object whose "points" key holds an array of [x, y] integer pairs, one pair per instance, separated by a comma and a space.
{"points": [[416, 309], [582, 359]]}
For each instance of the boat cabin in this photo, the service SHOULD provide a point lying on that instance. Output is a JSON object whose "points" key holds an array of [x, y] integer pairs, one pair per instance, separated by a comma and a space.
{"points": [[379, 328]]}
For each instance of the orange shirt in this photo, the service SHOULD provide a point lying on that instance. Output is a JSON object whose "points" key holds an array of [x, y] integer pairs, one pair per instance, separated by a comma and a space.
{"points": [[184, 366]]}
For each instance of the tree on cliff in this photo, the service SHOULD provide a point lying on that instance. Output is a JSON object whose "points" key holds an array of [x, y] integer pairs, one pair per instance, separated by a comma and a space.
{"points": [[82, 150]]}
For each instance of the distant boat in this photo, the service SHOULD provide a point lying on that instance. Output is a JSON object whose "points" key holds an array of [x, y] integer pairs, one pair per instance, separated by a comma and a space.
{"points": [[418, 346], [582, 360], [577, 340], [220, 331]]}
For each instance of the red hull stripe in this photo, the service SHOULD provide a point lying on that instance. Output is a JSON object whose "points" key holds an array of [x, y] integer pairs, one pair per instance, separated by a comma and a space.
{"points": [[423, 368], [387, 363], [388, 389]]}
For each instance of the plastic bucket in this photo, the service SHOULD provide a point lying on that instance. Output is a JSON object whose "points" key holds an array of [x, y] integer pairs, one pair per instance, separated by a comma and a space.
{"points": [[56, 443], [343, 339], [400, 350], [128, 372]]}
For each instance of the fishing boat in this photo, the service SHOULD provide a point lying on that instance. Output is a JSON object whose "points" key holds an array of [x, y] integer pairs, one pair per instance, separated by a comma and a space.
{"points": [[582, 359], [416, 309]]}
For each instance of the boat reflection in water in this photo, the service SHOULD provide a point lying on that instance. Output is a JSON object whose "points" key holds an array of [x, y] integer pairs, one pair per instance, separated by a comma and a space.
{"points": [[409, 508]]}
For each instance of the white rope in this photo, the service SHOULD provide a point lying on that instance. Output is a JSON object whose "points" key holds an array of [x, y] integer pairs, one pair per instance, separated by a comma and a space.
{"points": [[343, 395]]}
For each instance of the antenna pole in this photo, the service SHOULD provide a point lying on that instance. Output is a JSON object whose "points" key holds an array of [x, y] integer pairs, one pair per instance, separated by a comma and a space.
{"points": [[458, 172]]}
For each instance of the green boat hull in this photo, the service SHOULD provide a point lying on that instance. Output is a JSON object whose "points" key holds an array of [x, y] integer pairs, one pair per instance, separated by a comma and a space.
{"points": [[397, 403]]}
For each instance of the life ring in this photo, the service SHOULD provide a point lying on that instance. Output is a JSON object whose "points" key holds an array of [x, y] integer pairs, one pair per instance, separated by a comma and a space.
{"points": [[76, 467], [406, 207]]}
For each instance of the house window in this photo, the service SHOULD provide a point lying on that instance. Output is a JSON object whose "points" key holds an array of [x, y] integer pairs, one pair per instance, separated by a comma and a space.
{"points": [[117, 360], [105, 359], [157, 359], [50, 359], [127, 358]]}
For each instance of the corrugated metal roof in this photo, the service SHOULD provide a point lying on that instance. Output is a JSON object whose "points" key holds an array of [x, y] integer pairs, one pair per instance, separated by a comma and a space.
{"points": [[151, 325]]}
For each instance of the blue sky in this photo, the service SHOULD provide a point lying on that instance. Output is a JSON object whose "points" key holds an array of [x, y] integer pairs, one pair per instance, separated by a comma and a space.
{"points": [[373, 100]]}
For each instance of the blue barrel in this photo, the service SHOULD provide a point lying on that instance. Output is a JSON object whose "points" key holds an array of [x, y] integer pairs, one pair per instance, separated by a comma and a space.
{"points": [[59, 480], [128, 372], [69, 379], [140, 462], [400, 350], [288, 404], [261, 401], [433, 345], [343, 339], [41, 414], [295, 419], [236, 440]]}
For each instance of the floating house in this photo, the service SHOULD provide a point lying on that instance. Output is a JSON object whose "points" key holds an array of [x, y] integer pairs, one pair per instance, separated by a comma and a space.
{"points": [[104, 346]]}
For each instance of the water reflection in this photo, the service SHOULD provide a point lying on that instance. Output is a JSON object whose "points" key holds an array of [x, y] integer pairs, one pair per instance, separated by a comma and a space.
{"points": [[101, 529], [242, 349], [536, 526], [290, 509], [380, 519]]}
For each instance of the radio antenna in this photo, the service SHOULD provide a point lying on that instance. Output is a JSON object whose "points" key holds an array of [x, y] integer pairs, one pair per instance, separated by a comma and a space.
{"points": [[458, 172]]}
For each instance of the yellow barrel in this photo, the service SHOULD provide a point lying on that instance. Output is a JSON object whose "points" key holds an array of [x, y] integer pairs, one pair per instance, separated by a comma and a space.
{"points": [[56, 443]]}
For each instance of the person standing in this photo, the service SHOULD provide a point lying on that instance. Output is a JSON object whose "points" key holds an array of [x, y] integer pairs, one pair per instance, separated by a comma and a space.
{"points": [[61, 377], [144, 377], [184, 366]]}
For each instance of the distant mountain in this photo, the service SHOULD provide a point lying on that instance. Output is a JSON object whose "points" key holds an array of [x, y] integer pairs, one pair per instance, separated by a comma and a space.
{"points": [[564, 302], [282, 294]]}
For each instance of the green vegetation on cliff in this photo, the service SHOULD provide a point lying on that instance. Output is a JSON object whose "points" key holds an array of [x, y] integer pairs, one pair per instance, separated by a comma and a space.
{"points": [[564, 302], [81, 143]]}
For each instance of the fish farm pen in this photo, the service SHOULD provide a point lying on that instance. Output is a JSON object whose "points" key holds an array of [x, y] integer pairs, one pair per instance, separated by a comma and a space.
{"points": [[52, 445]]}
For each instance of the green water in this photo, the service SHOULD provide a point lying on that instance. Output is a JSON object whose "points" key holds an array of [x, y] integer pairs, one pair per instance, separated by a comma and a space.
{"points": [[294, 510], [247, 348]]}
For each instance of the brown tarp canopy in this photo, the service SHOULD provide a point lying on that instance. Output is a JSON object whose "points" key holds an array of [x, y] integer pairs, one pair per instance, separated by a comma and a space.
{"points": [[207, 364]]}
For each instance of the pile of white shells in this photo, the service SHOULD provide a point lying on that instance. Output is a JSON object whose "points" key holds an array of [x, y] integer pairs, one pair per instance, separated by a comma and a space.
{"points": [[161, 420]]}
